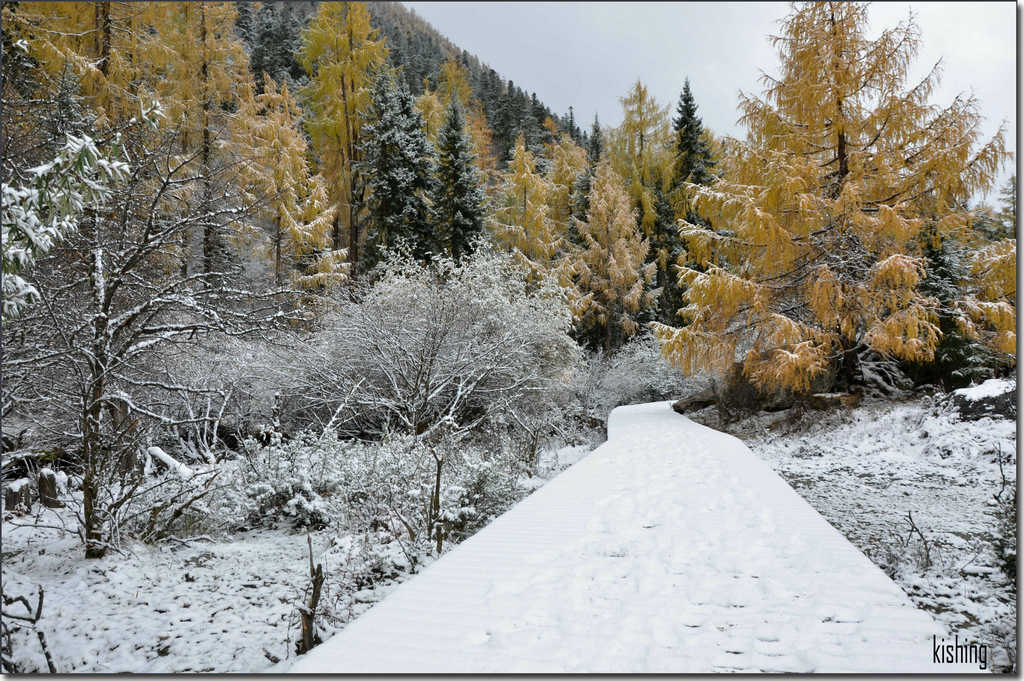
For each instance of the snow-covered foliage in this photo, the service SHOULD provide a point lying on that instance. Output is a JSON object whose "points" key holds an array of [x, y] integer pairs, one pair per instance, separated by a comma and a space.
{"points": [[632, 374], [53, 201], [441, 350], [88, 365], [318, 480]]}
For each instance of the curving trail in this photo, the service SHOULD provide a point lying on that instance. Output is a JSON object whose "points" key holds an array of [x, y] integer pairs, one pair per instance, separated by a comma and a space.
{"points": [[670, 548]]}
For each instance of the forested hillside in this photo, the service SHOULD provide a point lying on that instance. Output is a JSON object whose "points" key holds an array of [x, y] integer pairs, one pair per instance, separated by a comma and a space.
{"points": [[293, 269], [271, 32]]}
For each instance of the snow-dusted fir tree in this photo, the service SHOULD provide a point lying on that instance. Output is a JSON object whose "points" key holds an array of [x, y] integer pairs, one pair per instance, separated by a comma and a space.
{"points": [[1008, 206], [581, 189], [693, 162], [398, 169], [610, 280], [824, 204], [458, 205]]}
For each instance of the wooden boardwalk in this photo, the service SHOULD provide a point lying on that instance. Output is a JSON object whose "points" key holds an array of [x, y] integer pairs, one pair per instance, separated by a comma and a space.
{"points": [[670, 548]]}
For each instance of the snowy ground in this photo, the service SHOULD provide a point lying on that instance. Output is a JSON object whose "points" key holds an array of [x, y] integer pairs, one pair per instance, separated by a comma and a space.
{"points": [[210, 606], [864, 469], [670, 548], [231, 605]]}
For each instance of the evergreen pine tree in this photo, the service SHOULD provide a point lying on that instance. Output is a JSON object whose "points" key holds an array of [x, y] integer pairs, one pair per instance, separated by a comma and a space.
{"points": [[959, 359], [458, 198], [668, 249], [581, 191], [1008, 207], [273, 37], [692, 164], [693, 161], [244, 23], [398, 171], [505, 126]]}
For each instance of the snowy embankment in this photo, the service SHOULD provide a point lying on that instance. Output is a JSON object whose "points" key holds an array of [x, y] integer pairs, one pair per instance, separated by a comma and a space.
{"points": [[866, 469], [671, 548]]}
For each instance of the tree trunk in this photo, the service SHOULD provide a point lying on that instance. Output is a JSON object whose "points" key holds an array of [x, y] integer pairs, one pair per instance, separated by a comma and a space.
{"points": [[336, 231], [92, 456], [316, 576], [103, 36], [210, 246], [849, 367], [277, 253], [433, 518], [92, 409]]}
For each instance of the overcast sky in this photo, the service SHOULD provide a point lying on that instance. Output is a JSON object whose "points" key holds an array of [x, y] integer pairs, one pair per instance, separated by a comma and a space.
{"points": [[588, 54]]}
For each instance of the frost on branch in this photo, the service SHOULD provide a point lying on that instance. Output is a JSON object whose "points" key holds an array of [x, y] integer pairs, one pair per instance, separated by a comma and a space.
{"points": [[51, 203]]}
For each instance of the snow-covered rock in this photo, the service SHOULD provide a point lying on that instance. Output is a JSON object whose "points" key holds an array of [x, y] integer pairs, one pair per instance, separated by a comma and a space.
{"points": [[996, 397], [671, 548]]}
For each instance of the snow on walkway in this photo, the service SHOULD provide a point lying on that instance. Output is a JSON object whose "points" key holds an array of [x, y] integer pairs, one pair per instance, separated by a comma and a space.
{"points": [[671, 548]]}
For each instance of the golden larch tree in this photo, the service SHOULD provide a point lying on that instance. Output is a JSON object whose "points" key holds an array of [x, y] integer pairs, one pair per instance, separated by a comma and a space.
{"points": [[430, 107], [522, 223], [206, 69], [341, 53], [610, 282], [108, 46], [274, 173], [815, 253], [640, 150], [567, 161], [990, 306]]}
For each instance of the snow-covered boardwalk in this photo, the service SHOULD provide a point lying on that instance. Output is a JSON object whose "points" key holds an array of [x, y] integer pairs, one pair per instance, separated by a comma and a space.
{"points": [[670, 548]]}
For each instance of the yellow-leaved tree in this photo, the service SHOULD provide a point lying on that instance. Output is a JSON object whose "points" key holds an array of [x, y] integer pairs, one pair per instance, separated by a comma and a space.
{"points": [[640, 150], [990, 306], [274, 173], [610, 282], [815, 253], [206, 70], [341, 53], [453, 83], [566, 161], [108, 46], [522, 223], [430, 107]]}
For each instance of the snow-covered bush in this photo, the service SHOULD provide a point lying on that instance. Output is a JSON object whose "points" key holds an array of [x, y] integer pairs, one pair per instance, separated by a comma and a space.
{"points": [[441, 350], [298, 480], [634, 373], [388, 486], [231, 394], [50, 204], [174, 505]]}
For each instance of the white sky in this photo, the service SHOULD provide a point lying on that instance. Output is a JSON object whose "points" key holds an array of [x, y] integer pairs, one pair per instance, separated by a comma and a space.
{"points": [[587, 55]]}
